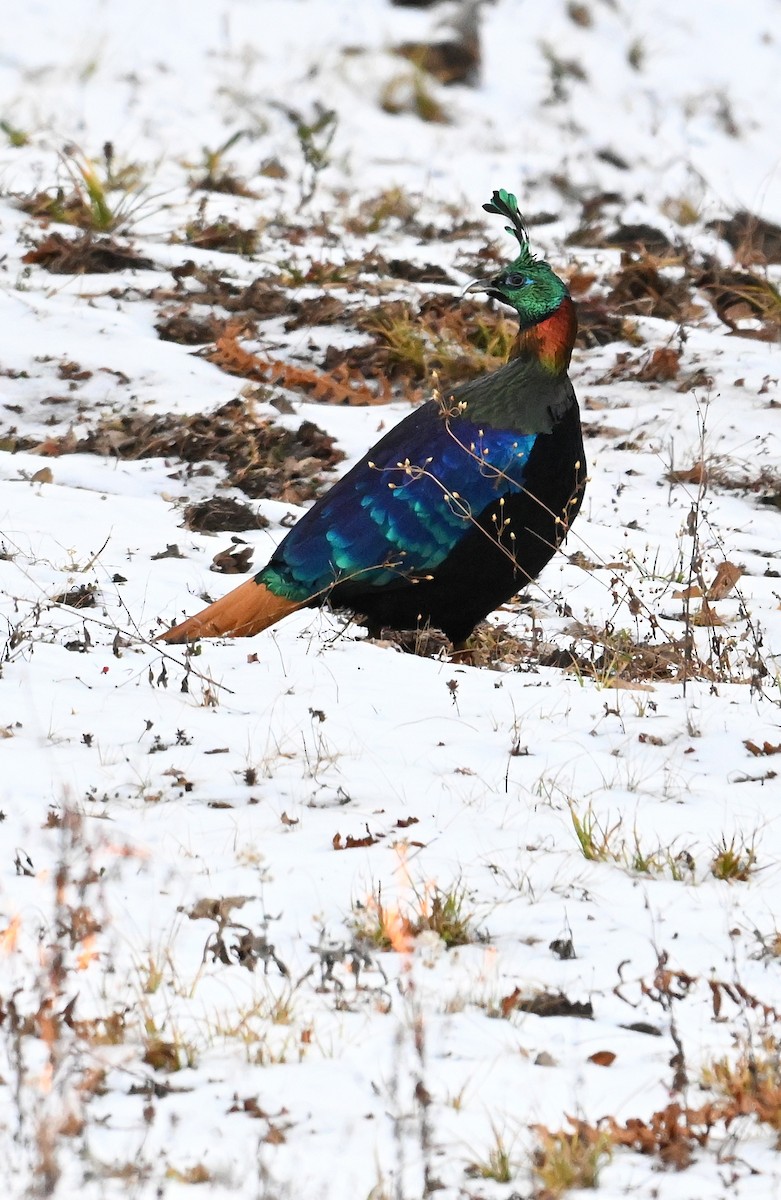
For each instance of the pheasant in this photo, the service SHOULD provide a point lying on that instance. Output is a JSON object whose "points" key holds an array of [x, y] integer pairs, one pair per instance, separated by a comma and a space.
{"points": [[458, 506]]}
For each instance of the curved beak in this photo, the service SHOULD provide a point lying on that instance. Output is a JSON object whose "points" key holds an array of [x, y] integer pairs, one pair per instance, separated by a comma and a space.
{"points": [[479, 285]]}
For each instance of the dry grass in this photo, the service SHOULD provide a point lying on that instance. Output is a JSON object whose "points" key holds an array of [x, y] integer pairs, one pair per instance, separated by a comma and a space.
{"points": [[98, 198], [220, 234], [433, 909], [735, 860], [452, 340], [259, 457], [411, 92], [565, 1160], [751, 1084]]}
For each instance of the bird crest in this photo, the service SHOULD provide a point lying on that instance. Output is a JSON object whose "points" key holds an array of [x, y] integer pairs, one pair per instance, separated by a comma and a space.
{"points": [[504, 204]]}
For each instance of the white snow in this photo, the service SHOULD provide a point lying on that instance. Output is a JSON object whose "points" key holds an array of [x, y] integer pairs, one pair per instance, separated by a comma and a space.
{"points": [[135, 784]]}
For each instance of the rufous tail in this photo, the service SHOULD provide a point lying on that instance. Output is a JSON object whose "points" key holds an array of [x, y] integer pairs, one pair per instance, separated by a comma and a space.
{"points": [[243, 612]]}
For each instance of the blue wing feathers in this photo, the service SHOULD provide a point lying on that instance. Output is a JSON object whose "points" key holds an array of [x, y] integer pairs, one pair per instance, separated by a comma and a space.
{"points": [[403, 509]]}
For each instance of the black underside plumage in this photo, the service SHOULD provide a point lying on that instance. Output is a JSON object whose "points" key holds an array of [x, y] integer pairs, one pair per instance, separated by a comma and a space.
{"points": [[484, 570]]}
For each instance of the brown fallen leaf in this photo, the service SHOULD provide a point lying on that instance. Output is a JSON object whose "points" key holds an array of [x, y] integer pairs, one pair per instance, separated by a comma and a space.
{"points": [[342, 385], [602, 1058], [765, 749], [662, 366], [706, 616], [216, 909], [351, 843], [545, 1004], [234, 561], [697, 473], [727, 576], [250, 1106]]}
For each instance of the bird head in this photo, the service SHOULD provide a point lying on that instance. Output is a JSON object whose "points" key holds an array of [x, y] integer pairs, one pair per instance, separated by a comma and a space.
{"points": [[528, 284]]}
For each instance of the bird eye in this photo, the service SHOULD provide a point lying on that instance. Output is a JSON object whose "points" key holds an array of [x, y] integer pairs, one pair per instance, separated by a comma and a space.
{"points": [[516, 280]]}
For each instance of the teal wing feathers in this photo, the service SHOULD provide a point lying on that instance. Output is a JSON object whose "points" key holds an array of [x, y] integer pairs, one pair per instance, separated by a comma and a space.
{"points": [[402, 509]]}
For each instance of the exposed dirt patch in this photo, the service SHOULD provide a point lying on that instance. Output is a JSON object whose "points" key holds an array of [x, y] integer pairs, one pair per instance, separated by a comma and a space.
{"points": [[597, 325], [640, 238], [261, 458], [743, 295], [261, 299], [187, 330], [641, 288], [222, 514], [751, 237], [319, 310], [222, 234], [399, 268], [85, 255]]}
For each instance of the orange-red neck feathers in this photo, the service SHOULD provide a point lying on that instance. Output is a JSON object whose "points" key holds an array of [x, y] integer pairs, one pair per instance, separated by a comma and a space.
{"points": [[551, 340]]}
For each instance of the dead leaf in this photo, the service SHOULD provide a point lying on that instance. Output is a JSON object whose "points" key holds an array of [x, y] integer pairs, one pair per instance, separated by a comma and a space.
{"points": [[250, 1106], [216, 909], [319, 310], [602, 1058], [662, 366], [84, 255], [233, 561], [352, 843], [697, 474], [545, 1004], [341, 385], [727, 576], [765, 749], [706, 616], [261, 458]]}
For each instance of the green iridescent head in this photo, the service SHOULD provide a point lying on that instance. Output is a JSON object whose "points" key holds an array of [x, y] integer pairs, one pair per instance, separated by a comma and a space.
{"points": [[528, 284]]}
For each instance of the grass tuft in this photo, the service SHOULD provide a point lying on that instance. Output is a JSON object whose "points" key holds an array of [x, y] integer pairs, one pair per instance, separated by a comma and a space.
{"points": [[443, 911], [566, 1160], [496, 1165], [734, 861]]}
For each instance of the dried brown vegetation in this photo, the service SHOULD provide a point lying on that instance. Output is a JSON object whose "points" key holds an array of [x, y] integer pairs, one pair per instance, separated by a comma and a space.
{"points": [[85, 255], [259, 457]]}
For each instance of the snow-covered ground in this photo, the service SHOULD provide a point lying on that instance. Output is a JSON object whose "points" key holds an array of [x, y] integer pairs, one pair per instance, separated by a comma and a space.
{"points": [[206, 863]]}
